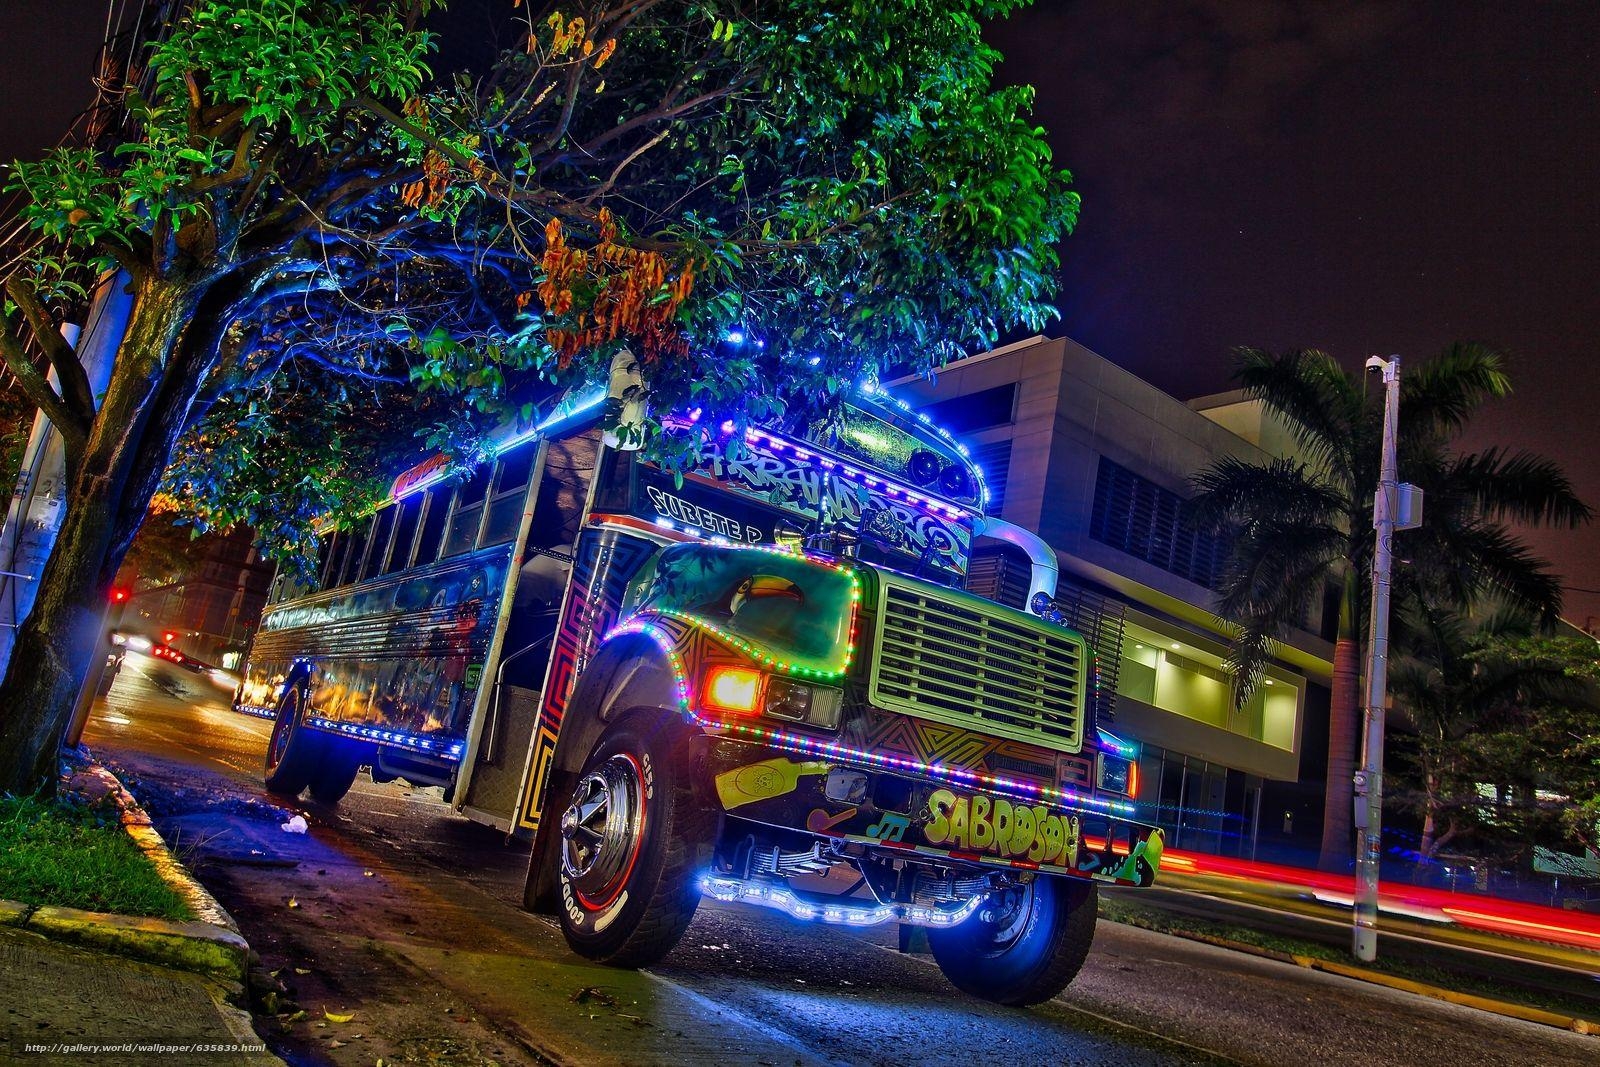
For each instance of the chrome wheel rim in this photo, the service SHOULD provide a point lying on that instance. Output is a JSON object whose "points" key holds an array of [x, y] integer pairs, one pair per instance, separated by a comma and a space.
{"points": [[602, 830], [283, 729], [1012, 913]]}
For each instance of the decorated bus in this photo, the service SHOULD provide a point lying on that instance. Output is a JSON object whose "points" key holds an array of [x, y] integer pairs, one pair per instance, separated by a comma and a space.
{"points": [[759, 680]]}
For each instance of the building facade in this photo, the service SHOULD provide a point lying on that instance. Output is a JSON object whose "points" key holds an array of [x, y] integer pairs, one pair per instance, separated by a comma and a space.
{"points": [[212, 613], [1099, 463]]}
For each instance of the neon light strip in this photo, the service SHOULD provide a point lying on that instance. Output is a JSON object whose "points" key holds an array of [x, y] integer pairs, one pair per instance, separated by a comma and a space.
{"points": [[1125, 749], [450, 750], [735, 890], [811, 746], [590, 401]]}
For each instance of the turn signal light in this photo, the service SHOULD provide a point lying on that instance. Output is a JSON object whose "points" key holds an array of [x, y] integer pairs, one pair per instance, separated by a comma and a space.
{"points": [[735, 689]]}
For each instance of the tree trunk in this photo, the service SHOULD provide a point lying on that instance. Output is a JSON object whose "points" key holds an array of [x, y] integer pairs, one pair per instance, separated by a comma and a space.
{"points": [[1344, 730], [1430, 814], [54, 650], [107, 496]]}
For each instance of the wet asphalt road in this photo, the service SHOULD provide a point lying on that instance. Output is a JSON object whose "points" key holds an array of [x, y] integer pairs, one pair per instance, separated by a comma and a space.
{"points": [[397, 910]]}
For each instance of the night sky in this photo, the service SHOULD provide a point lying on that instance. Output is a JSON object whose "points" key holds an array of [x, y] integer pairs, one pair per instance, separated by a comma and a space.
{"points": [[1361, 177]]}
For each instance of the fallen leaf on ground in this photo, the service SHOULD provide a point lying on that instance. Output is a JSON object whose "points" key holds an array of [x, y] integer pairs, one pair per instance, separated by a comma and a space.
{"points": [[293, 903], [335, 1017], [300, 970]]}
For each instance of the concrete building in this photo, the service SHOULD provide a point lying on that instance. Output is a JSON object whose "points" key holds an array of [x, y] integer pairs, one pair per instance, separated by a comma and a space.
{"points": [[1099, 463], [213, 611]]}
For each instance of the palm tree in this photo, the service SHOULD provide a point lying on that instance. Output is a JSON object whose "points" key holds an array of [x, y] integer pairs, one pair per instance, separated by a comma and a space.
{"points": [[1299, 524]]}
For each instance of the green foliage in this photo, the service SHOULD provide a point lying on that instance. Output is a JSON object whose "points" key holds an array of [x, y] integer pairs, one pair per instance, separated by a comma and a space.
{"points": [[840, 180], [1494, 712], [287, 466], [75, 855], [233, 81]]}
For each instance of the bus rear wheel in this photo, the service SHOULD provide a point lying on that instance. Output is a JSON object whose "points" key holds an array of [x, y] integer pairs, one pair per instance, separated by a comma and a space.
{"points": [[336, 771], [291, 754], [1025, 947], [633, 843]]}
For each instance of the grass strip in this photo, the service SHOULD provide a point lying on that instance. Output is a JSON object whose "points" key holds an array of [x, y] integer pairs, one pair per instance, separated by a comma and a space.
{"points": [[71, 854], [1151, 918]]}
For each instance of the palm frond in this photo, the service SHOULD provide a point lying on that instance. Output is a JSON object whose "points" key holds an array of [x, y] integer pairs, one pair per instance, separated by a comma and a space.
{"points": [[1499, 564], [1438, 397], [1233, 491], [1313, 394], [1520, 486]]}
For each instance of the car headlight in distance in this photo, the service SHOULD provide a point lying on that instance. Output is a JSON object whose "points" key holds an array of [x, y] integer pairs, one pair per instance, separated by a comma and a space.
{"points": [[813, 705], [1118, 775]]}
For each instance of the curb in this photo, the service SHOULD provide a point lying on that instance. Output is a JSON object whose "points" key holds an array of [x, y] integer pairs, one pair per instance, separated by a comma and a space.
{"points": [[210, 944], [1406, 985]]}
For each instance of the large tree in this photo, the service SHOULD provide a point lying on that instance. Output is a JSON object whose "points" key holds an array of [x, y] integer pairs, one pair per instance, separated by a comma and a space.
{"points": [[1302, 523], [839, 181], [1485, 699]]}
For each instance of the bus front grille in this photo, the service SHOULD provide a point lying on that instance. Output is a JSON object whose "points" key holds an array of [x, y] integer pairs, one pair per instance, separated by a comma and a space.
{"points": [[979, 667]]}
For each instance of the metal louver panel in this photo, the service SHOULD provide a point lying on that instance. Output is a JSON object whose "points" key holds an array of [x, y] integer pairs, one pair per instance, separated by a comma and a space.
{"points": [[967, 665]]}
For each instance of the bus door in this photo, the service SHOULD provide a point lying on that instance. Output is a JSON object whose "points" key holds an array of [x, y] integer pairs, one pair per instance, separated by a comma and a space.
{"points": [[503, 727]]}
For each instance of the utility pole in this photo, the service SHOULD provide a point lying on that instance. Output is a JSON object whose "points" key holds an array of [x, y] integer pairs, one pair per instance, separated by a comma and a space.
{"points": [[1395, 506]]}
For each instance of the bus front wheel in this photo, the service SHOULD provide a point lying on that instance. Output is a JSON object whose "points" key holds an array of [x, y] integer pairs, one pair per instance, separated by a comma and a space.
{"points": [[633, 843], [291, 754], [1026, 946]]}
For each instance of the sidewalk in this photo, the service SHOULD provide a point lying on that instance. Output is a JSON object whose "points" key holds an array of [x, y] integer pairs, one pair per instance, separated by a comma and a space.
{"points": [[61, 1001]]}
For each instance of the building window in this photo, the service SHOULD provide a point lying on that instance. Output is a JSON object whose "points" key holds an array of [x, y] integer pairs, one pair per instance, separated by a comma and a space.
{"points": [[1135, 515], [1186, 681], [975, 411]]}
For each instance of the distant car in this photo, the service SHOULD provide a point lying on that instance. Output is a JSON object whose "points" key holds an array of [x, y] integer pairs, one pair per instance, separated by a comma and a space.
{"points": [[172, 655]]}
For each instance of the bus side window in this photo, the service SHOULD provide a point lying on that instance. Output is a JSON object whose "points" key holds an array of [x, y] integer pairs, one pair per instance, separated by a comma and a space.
{"points": [[358, 551], [468, 513], [510, 490], [382, 527], [320, 571], [438, 510], [405, 533], [336, 558]]}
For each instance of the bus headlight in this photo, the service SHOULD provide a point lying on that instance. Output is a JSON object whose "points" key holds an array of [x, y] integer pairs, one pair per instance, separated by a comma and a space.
{"points": [[814, 705], [1118, 775]]}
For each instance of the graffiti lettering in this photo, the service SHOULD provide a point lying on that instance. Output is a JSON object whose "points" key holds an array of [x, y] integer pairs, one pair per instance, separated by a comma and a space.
{"points": [[815, 493], [676, 508], [981, 823]]}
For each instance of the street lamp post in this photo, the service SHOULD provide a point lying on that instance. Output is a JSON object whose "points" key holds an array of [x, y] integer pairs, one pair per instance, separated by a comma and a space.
{"points": [[1394, 507]]}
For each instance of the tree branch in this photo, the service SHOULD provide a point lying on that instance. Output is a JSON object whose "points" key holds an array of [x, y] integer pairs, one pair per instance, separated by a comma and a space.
{"points": [[75, 391], [74, 431]]}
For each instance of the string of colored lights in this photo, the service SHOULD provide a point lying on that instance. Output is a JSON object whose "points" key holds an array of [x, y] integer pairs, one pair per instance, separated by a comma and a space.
{"points": [[855, 474], [765, 657]]}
